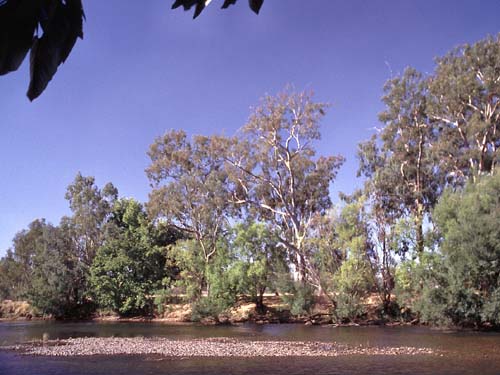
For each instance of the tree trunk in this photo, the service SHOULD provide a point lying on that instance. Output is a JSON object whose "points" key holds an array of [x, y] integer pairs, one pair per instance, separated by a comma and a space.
{"points": [[420, 228], [259, 304], [301, 268]]}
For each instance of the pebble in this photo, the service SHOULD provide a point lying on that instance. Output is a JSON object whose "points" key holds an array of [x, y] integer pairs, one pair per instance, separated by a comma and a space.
{"points": [[211, 347]]}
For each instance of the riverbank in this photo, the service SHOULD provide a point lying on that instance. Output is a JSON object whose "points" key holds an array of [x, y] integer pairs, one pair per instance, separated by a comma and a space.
{"points": [[210, 347], [276, 312], [17, 310]]}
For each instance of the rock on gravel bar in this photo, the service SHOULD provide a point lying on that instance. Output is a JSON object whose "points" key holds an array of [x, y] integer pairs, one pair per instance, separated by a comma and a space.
{"points": [[213, 347]]}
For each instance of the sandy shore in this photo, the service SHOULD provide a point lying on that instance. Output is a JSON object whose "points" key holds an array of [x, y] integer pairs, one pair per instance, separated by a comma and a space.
{"points": [[213, 347]]}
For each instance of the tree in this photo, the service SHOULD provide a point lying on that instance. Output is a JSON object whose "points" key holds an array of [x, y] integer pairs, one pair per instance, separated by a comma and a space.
{"points": [[190, 189], [91, 208], [11, 277], [52, 277], [402, 170], [355, 275], [21, 260], [277, 175], [258, 260], [55, 278], [131, 264], [467, 287], [466, 105], [62, 24]]}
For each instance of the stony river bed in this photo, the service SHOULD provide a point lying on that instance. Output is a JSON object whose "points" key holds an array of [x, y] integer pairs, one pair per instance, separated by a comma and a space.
{"points": [[210, 347]]}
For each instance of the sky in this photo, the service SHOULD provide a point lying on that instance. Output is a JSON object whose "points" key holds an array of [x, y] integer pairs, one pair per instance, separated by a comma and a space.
{"points": [[143, 69]]}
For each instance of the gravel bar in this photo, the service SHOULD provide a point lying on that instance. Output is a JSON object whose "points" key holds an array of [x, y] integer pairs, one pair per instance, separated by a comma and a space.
{"points": [[212, 347]]}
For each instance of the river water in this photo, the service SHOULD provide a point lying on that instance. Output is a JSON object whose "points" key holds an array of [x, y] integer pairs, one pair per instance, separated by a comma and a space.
{"points": [[462, 352]]}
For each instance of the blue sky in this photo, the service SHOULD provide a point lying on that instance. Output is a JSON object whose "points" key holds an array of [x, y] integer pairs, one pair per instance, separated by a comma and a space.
{"points": [[143, 69]]}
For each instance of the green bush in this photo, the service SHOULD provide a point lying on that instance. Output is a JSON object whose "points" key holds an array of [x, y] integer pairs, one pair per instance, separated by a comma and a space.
{"points": [[299, 298], [459, 285], [209, 307], [353, 282]]}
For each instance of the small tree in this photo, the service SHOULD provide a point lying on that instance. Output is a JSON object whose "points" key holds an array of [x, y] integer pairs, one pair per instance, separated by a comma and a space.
{"points": [[354, 278], [130, 266], [258, 260]]}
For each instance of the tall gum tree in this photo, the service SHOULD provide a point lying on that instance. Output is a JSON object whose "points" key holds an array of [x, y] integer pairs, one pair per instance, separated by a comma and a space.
{"points": [[400, 162], [91, 207], [277, 175], [466, 105], [190, 188]]}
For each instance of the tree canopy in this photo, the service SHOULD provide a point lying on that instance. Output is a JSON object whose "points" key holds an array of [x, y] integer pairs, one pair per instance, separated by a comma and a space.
{"points": [[230, 218]]}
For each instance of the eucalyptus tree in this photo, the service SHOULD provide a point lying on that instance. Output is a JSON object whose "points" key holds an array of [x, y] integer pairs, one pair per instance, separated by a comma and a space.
{"points": [[277, 174], [11, 277], [190, 188], [43, 267], [91, 207], [466, 105], [400, 162], [58, 277]]}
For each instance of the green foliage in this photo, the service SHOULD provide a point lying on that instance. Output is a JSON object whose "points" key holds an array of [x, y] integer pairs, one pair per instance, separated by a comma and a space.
{"points": [[161, 298], [190, 186], [468, 221], [299, 297], [259, 260], [220, 278], [53, 279], [130, 266], [465, 91], [459, 285], [353, 281], [91, 207], [208, 307], [417, 287], [223, 279], [11, 277], [188, 257]]}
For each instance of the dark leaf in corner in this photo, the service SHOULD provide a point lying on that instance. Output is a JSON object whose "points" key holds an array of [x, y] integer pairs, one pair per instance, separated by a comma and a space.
{"points": [[18, 21], [63, 26]]}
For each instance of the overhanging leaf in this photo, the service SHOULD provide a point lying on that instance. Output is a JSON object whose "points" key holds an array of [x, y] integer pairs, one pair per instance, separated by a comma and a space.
{"points": [[17, 26], [62, 28], [255, 5], [227, 3]]}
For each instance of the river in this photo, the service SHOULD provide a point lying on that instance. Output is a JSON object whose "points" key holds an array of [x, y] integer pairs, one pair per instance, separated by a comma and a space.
{"points": [[462, 352]]}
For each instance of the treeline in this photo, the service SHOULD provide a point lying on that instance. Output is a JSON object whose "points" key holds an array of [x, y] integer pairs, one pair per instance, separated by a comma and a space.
{"points": [[250, 214]]}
